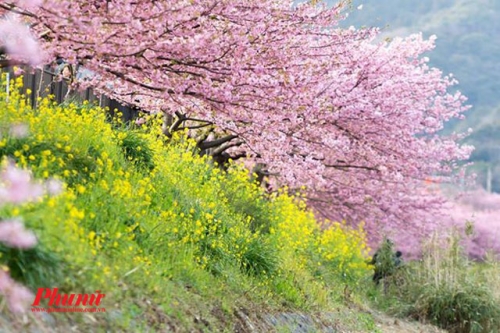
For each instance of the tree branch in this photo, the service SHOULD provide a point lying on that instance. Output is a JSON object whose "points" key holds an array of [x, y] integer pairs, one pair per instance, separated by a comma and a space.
{"points": [[215, 143], [226, 146], [349, 166]]}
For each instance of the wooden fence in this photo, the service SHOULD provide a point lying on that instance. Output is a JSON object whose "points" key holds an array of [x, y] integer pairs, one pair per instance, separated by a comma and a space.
{"points": [[44, 82]]}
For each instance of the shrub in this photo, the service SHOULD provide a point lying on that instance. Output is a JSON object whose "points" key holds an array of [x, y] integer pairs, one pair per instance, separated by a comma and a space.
{"points": [[259, 258], [33, 267], [135, 149]]}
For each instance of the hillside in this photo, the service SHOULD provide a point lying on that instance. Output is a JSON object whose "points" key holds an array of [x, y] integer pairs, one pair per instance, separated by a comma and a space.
{"points": [[173, 242]]}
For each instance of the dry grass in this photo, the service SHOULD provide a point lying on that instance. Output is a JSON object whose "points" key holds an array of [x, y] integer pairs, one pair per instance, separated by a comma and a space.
{"points": [[449, 290]]}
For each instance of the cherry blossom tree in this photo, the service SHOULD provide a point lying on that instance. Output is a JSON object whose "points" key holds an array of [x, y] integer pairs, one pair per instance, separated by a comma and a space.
{"points": [[354, 120]]}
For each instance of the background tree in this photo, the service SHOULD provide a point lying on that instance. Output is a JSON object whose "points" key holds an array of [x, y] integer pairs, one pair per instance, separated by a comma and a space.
{"points": [[468, 45]]}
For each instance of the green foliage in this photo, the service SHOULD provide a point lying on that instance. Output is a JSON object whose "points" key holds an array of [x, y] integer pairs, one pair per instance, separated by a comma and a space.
{"points": [[34, 267], [466, 309], [445, 289], [260, 257], [136, 150], [384, 262], [80, 164]]}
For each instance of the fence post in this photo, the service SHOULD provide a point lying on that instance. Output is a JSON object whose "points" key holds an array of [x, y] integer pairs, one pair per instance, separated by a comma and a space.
{"points": [[7, 86]]}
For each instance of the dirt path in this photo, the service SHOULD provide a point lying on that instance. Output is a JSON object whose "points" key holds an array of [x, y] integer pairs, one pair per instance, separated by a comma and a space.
{"points": [[388, 324], [353, 319]]}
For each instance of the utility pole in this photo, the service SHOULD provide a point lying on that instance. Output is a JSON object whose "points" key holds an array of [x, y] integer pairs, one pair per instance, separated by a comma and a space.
{"points": [[488, 179]]}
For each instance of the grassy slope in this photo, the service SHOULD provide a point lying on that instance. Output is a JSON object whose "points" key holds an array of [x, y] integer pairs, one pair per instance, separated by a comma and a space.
{"points": [[172, 241]]}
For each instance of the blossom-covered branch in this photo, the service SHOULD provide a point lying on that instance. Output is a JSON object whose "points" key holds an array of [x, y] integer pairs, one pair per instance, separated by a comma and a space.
{"points": [[300, 93]]}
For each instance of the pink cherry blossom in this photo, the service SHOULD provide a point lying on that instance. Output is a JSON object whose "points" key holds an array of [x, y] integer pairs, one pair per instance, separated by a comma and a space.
{"points": [[18, 41], [18, 297], [13, 234], [18, 186], [54, 186], [354, 120], [30, 4], [140, 121], [19, 131]]}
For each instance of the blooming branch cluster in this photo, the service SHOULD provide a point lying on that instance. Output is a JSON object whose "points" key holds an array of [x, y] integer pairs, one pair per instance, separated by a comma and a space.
{"points": [[16, 294], [16, 39], [353, 120], [19, 45]]}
